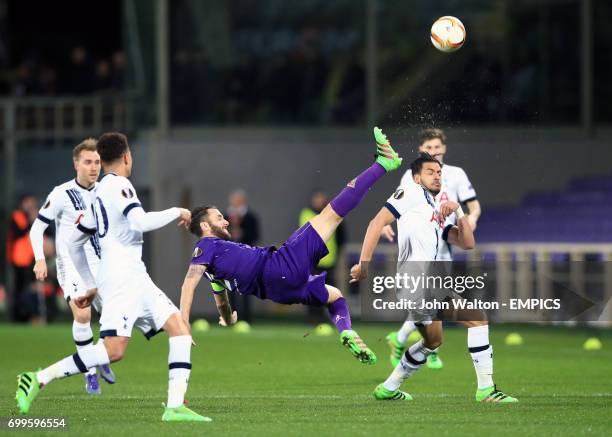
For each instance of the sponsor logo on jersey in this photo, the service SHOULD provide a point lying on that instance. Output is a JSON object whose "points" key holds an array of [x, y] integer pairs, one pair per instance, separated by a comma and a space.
{"points": [[399, 193], [197, 252], [127, 193], [443, 197]]}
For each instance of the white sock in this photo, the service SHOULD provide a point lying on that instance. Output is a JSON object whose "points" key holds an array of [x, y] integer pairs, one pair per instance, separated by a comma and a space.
{"points": [[179, 365], [407, 328], [89, 356], [412, 361], [83, 336], [482, 355]]}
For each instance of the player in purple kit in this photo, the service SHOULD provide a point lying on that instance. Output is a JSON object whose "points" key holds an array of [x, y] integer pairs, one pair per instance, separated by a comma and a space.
{"points": [[282, 275]]}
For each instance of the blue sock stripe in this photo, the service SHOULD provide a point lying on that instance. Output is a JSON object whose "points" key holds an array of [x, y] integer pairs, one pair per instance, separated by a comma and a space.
{"points": [[412, 361], [84, 342], [473, 350], [79, 363], [179, 366]]}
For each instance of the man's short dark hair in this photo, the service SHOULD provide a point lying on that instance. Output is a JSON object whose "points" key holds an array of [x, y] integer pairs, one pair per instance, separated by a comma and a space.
{"points": [[417, 164], [112, 146], [432, 133], [198, 215]]}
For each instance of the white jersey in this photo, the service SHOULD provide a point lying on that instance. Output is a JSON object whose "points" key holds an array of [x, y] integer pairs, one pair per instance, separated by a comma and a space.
{"points": [[419, 228], [67, 205], [456, 187], [121, 246]]}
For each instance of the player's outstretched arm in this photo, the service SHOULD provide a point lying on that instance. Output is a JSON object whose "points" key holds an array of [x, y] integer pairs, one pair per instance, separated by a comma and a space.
{"points": [[152, 220], [190, 283], [370, 241], [226, 316], [37, 240]]}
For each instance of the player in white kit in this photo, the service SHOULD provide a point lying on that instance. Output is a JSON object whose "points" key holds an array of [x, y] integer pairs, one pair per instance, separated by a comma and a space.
{"points": [[456, 187], [129, 296], [65, 206], [421, 224]]}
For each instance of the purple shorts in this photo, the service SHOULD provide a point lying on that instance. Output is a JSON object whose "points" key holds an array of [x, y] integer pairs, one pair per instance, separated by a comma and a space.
{"points": [[287, 277]]}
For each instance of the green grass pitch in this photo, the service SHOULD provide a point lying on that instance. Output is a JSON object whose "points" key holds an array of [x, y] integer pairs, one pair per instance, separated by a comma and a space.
{"points": [[279, 380]]}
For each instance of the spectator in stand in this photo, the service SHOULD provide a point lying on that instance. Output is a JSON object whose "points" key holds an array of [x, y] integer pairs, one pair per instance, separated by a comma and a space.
{"points": [[24, 83], [47, 81], [244, 228], [118, 74], [103, 80], [21, 257], [80, 72]]}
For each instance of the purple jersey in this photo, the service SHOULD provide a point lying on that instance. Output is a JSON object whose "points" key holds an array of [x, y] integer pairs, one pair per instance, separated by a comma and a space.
{"points": [[232, 266]]}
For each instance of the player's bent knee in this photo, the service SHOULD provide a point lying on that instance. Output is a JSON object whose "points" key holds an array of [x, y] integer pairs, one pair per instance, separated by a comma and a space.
{"points": [[81, 315], [326, 222], [333, 293], [115, 348], [175, 326]]}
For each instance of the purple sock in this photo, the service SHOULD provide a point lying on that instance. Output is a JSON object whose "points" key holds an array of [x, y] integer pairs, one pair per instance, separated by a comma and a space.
{"points": [[350, 197], [339, 314]]}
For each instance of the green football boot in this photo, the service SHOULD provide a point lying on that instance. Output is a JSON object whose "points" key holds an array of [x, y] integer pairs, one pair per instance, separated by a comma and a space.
{"points": [[183, 414], [493, 395], [397, 348], [382, 394], [351, 340], [385, 155], [27, 390], [434, 362]]}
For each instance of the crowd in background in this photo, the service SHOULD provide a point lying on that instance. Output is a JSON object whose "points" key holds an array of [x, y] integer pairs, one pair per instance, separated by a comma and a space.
{"points": [[80, 73]]}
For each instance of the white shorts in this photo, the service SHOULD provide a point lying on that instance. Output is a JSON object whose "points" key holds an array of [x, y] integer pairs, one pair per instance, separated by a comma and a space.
{"points": [[139, 304], [71, 282]]}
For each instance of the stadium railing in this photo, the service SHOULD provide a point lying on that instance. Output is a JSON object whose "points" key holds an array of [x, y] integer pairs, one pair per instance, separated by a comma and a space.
{"points": [[55, 118]]}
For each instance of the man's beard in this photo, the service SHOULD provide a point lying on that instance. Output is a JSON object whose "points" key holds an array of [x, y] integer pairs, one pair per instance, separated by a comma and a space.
{"points": [[220, 232]]}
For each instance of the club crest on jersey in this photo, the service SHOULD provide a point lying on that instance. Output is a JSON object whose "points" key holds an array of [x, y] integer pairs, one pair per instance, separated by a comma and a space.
{"points": [[197, 252], [351, 184], [399, 193], [127, 193]]}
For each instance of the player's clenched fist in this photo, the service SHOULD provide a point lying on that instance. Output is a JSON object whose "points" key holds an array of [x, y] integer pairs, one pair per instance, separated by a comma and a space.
{"points": [[234, 319], [40, 269], [85, 301], [447, 208], [358, 273]]}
